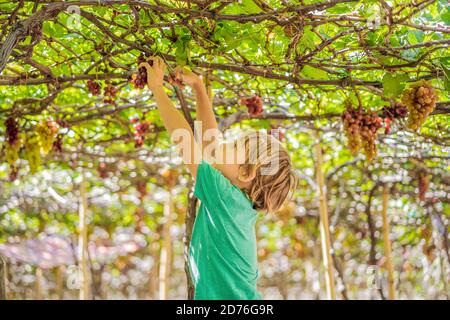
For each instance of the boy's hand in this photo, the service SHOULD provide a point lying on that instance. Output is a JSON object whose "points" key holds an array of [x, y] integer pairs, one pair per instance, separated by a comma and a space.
{"points": [[186, 76], [155, 67]]}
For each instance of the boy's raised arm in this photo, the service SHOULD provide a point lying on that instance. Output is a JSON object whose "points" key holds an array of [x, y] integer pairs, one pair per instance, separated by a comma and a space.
{"points": [[204, 108], [173, 121]]}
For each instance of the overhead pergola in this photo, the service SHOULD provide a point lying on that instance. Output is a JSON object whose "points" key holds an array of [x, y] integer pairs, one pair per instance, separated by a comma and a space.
{"points": [[306, 59]]}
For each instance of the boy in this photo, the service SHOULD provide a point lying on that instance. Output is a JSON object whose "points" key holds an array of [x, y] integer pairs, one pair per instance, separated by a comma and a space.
{"points": [[256, 177]]}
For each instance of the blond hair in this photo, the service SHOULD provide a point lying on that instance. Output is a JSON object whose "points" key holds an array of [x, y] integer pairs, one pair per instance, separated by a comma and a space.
{"points": [[274, 181]]}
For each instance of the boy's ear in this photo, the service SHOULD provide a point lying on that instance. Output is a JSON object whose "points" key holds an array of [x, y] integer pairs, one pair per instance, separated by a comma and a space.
{"points": [[246, 173]]}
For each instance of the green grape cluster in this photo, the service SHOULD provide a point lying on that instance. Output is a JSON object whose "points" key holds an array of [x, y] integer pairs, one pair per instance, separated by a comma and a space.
{"points": [[420, 99], [46, 130], [33, 151]]}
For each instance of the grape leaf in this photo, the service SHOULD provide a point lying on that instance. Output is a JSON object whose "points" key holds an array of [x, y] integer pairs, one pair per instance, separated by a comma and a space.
{"points": [[393, 84]]}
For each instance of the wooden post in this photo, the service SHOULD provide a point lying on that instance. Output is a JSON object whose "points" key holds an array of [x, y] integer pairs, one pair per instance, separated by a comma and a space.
{"points": [[387, 245], [153, 274], [2, 278], [38, 284], [189, 223], [166, 251], [324, 225], [59, 283], [82, 241]]}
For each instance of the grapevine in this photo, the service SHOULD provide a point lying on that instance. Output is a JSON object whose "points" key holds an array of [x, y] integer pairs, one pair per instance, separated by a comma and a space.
{"points": [[420, 99]]}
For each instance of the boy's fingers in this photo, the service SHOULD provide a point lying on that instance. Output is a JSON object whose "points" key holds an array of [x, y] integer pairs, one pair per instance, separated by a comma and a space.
{"points": [[146, 65]]}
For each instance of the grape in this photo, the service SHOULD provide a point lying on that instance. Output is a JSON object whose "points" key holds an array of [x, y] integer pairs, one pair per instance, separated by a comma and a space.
{"points": [[254, 105], [47, 131], [420, 99], [94, 87], [32, 151]]}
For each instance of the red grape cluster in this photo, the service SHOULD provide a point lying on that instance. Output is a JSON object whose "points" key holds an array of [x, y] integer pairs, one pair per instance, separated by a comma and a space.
{"points": [[370, 123], [254, 105], [393, 112], [12, 146], [140, 129], [110, 94], [140, 80], [12, 130], [94, 87], [58, 143], [352, 119], [361, 128]]}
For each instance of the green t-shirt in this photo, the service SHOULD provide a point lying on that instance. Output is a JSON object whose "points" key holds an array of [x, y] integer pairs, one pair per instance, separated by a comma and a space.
{"points": [[223, 256]]}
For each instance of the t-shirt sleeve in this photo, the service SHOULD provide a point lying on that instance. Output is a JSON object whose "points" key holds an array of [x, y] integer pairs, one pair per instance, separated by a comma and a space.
{"points": [[211, 185]]}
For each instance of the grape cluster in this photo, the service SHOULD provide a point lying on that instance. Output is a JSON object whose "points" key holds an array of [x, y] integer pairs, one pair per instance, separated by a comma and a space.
{"points": [[12, 146], [396, 111], [12, 152], [94, 87], [254, 105], [12, 130], [58, 143], [361, 128], [370, 123], [390, 113], [351, 118], [110, 94], [420, 99], [47, 131], [140, 129], [33, 151], [139, 80]]}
